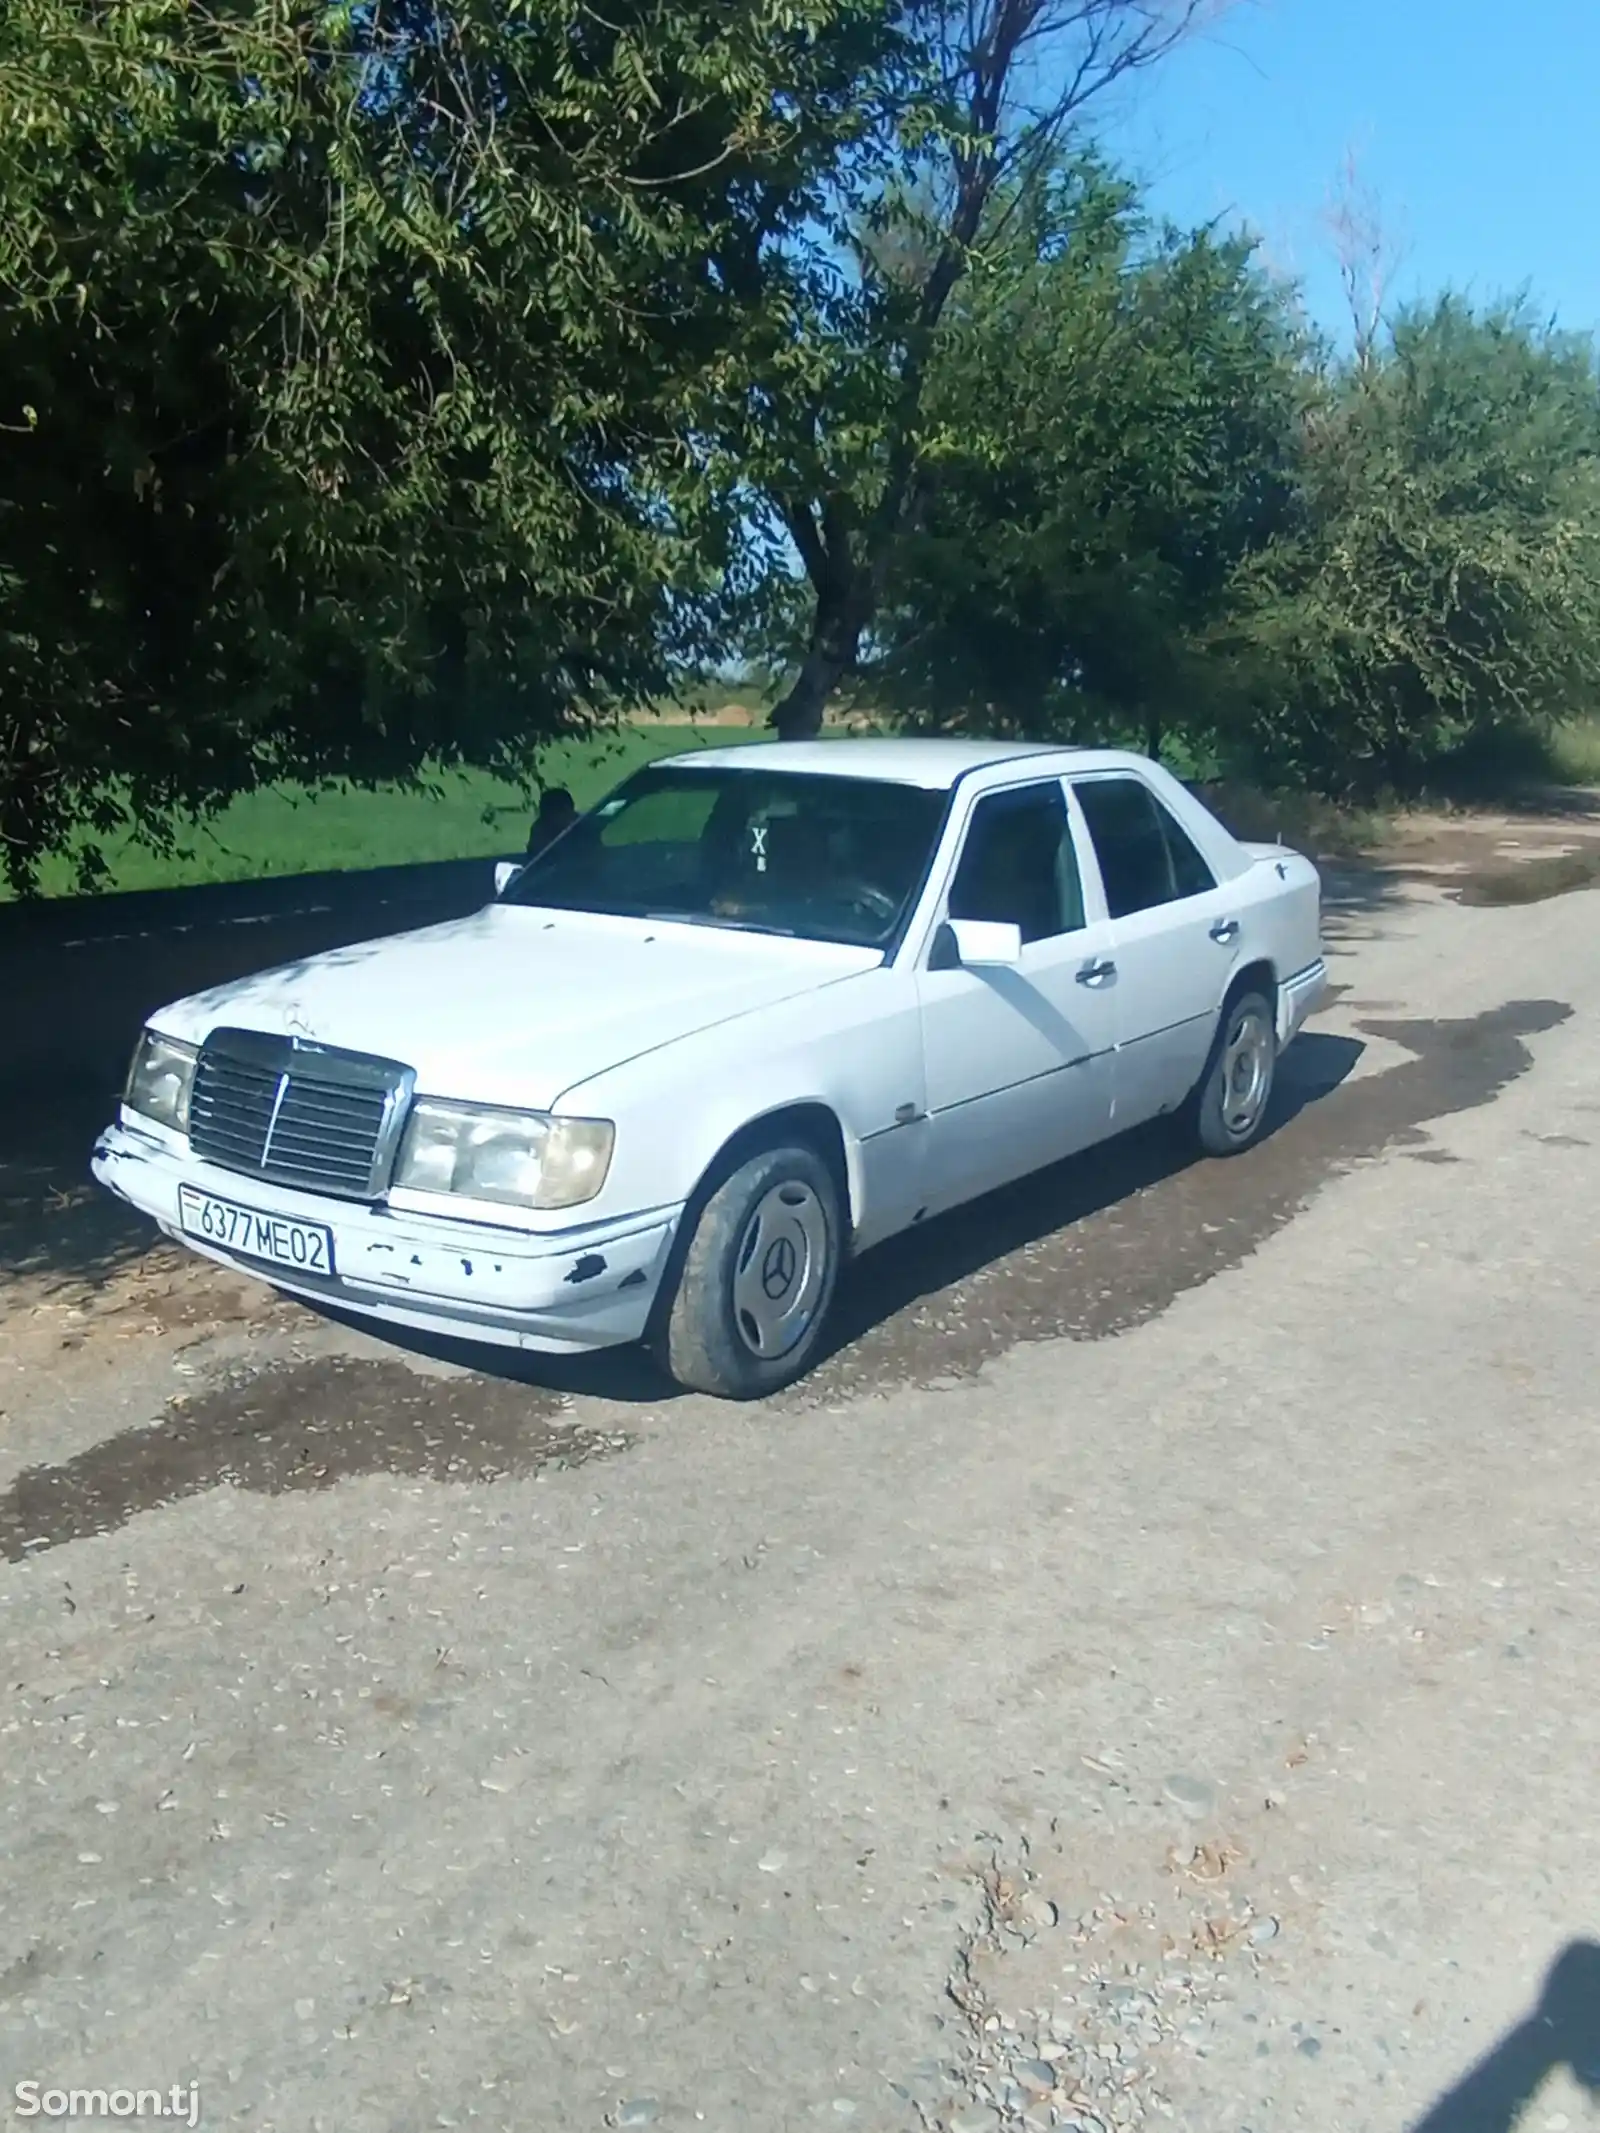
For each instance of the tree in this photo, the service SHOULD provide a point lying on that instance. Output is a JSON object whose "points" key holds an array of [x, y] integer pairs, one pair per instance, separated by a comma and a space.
{"points": [[1442, 580], [355, 367], [1112, 424], [833, 444]]}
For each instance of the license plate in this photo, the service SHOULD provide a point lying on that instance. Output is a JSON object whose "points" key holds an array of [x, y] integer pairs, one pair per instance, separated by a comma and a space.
{"points": [[307, 1247]]}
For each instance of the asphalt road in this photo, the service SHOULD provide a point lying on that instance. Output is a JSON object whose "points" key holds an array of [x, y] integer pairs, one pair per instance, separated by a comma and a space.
{"points": [[1144, 1678]]}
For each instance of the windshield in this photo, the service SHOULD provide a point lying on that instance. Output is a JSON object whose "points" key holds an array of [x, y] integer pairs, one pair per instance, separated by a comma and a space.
{"points": [[815, 857]]}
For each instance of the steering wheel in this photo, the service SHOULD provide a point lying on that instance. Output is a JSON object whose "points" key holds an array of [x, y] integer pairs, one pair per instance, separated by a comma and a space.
{"points": [[865, 896]]}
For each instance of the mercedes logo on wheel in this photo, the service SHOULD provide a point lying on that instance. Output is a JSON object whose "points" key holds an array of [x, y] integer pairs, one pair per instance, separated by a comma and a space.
{"points": [[777, 1269]]}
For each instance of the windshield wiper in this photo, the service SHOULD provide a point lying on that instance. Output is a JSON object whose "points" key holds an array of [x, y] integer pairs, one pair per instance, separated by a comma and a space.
{"points": [[732, 925]]}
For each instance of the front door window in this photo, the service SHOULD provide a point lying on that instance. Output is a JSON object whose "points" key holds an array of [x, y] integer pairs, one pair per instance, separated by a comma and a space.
{"points": [[1018, 866]]}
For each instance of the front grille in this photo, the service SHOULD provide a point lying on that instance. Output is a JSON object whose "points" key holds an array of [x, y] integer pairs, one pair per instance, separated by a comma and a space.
{"points": [[297, 1114]]}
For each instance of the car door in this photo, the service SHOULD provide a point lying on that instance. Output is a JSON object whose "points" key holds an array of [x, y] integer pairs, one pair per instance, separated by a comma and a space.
{"points": [[1173, 942], [1017, 1057]]}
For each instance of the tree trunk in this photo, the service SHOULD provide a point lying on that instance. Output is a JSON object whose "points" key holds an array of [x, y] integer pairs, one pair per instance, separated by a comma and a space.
{"points": [[844, 607], [799, 714]]}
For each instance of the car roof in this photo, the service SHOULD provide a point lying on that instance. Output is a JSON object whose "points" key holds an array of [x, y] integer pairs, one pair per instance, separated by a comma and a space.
{"points": [[933, 764]]}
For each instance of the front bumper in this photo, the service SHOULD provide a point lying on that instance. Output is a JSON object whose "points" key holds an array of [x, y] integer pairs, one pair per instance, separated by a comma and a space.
{"points": [[556, 1293], [1298, 998]]}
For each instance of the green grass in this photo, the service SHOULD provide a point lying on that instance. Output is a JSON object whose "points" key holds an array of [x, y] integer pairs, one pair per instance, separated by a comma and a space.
{"points": [[467, 815], [464, 815]]}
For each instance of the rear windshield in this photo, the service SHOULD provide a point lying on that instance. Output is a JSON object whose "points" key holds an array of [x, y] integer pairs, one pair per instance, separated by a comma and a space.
{"points": [[806, 855]]}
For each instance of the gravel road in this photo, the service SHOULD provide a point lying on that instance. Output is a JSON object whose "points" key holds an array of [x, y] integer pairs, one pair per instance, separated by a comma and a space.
{"points": [[1146, 1677]]}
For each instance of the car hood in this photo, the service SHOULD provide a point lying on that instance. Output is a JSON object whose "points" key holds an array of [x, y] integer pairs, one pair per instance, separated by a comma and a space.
{"points": [[515, 1005]]}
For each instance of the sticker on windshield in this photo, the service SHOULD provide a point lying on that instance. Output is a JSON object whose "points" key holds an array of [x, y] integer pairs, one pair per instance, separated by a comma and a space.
{"points": [[758, 845]]}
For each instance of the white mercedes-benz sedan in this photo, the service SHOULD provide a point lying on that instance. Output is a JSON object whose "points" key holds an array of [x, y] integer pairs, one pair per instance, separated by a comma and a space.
{"points": [[761, 1008]]}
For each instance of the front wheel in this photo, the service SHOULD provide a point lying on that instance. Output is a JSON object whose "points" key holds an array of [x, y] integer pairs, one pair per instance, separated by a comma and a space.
{"points": [[748, 1311], [1228, 1112]]}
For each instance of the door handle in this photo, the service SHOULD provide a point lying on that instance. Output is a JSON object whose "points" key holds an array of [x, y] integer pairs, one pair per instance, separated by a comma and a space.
{"points": [[1100, 973], [1225, 930]]}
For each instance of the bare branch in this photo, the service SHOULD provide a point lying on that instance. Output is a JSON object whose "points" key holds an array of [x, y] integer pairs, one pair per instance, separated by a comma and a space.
{"points": [[1367, 253]]}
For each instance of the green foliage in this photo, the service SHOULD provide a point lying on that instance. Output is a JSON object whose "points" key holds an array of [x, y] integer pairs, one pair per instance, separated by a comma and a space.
{"points": [[351, 363], [1113, 425], [1442, 585], [991, 93], [388, 385], [1157, 512]]}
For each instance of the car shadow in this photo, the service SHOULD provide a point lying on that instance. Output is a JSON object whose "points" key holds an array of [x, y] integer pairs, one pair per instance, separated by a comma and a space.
{"points": [[936, 1256], [57, 1227], [1562, 2029]]}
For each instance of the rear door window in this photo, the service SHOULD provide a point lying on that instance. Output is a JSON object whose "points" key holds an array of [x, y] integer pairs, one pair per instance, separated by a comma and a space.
{"points": [[1145, 855]]}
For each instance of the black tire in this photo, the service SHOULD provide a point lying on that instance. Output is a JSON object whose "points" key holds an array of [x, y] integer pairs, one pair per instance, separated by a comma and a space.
{"points": [[726, 1329], [1228, 1114]]}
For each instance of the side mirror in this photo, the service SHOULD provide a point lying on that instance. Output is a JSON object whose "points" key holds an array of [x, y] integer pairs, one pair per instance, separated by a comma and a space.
{"points": [[505, 873], [984, 943]]}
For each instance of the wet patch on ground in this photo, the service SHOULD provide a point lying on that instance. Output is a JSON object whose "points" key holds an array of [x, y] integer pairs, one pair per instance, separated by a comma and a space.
{"points": [[1533, 881], [1105, 1242], [299, 1426]]}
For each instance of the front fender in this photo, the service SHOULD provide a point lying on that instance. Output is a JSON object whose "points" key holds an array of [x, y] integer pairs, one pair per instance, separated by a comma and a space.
{"points": [[854, 1047]]}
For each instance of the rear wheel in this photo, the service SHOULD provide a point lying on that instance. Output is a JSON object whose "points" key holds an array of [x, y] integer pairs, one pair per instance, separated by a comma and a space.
{"points": [[747, 1314], [1228, 1111]]}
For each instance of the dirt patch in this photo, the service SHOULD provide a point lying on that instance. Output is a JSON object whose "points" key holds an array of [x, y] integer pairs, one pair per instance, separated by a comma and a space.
{"points": [[1485, 856], [1084, 2011], [306, 1425], [840, 720], [77, 1263], [158, 1290], [1492, 858], [724, 715], [1079, 2009]]}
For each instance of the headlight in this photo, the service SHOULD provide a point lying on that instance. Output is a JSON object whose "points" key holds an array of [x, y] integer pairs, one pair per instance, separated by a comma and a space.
{"points": [[160, 1079], [521, 1158]]}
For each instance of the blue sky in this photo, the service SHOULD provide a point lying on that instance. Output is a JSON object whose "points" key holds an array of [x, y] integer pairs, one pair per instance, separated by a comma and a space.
{"points": [[1475, 124]]}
